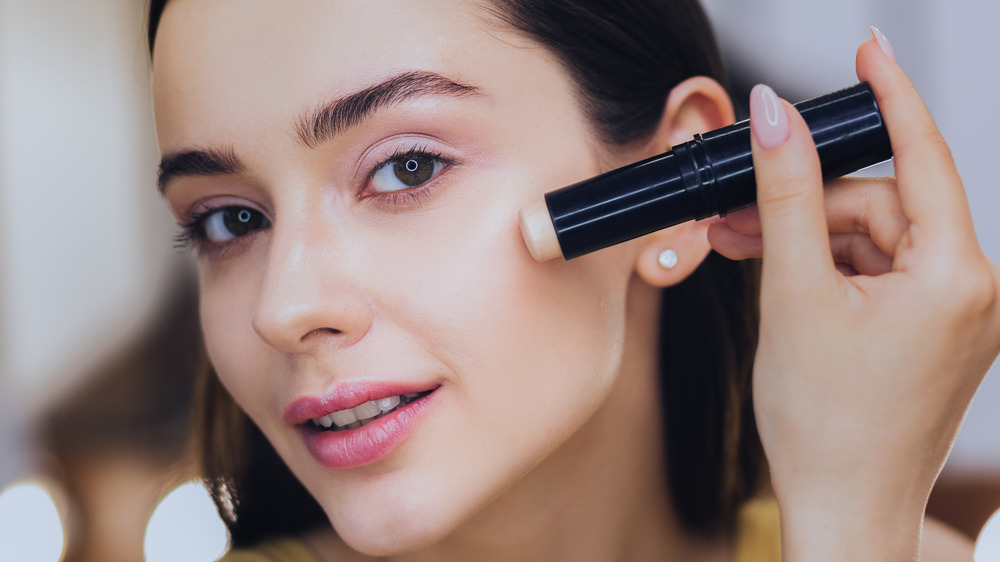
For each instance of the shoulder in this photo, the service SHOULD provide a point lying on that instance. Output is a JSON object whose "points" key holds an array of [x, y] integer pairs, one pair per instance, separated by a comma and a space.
{"points": [[284, 549], [941, 543]]}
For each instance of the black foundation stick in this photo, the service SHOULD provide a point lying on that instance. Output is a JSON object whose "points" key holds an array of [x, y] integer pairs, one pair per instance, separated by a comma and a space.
{"points": [[710, 175]]}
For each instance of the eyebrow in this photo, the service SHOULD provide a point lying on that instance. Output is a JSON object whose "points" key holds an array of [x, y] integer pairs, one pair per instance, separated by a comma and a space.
{"points": [[334, 117], [209, 162], [320, 125]]}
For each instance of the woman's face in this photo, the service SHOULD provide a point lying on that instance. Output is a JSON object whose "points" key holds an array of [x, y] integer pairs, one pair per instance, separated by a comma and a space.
{"points": [[353, 170]]}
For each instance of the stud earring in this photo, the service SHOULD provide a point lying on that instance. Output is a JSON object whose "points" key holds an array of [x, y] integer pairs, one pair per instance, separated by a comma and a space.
{"points": [[667, 259]]}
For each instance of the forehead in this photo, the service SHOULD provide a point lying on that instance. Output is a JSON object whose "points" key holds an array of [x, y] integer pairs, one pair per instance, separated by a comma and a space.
{"points": [[222, 60]]}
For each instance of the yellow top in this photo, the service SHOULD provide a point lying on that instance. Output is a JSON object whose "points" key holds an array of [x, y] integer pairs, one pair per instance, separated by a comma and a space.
{"points": [[757, 540], [285, 549], [758, 532]]}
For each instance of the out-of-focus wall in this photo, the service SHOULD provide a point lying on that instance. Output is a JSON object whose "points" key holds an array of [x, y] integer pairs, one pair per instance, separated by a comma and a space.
{"points": [[85, 248], [948, 48]]}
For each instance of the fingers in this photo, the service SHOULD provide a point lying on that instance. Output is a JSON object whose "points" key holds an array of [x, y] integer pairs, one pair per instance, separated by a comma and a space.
{"points": [[855, 250], [930, 188], [745, 221], [789, 194], [733, 244], [859, 252], [868, 206]]}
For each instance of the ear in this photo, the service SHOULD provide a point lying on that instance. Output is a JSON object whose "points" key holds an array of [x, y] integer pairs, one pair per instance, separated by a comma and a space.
{"points": [[696, 105]]}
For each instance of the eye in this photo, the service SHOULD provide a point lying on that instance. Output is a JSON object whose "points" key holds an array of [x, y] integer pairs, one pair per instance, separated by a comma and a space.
{"points": [[405, 171], [227, 223]]}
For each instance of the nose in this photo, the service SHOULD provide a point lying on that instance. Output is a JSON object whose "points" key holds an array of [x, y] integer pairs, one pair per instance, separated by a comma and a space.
{"points": [[310, 296]]}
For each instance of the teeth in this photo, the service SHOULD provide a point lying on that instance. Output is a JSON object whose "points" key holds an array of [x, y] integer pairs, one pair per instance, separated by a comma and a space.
{"points": [[325, 421], [387, 404], [367, 410], [359, 415], [343, 417]]}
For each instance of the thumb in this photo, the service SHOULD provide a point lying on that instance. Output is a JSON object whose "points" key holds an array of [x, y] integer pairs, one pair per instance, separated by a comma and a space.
{"points": [[789, 194]]}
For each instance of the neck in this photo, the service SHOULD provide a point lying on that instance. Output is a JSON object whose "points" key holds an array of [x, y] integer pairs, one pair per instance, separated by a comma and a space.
{"points": [[601, 496]]}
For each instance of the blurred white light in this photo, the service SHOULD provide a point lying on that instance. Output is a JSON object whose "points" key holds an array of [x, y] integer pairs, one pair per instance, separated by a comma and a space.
{"points": [[30, 527], [185, 526], [988, 545]]}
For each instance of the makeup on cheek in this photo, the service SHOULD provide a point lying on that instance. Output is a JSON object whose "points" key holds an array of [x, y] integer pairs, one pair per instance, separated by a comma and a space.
{"points": [[710, 175]]}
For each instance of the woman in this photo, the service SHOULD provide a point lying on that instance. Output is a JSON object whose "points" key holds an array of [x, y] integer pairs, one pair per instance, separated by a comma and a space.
{"points": [[350, 174]]}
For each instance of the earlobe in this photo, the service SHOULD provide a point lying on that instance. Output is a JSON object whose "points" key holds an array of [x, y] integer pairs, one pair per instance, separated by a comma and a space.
{"points": [[668, 257]]}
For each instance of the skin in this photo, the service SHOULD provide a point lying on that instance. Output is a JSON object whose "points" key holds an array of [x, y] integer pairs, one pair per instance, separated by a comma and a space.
{"points": [[535, 451], [507, 424]]}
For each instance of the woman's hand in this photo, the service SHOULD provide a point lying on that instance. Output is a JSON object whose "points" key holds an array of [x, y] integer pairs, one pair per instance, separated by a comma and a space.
{"points": [[861, 381]]}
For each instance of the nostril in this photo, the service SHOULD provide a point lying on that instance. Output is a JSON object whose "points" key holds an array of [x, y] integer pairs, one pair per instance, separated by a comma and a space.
{"points": [[296, 312], [323, 331]]}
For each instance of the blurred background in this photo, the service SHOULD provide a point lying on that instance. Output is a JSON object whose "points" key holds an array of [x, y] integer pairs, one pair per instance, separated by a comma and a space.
{"points": [[98, 328]]}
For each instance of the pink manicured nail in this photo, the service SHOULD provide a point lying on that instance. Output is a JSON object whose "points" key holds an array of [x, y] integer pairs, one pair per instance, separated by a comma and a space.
{"points": [[883, 43], [767, 117]]}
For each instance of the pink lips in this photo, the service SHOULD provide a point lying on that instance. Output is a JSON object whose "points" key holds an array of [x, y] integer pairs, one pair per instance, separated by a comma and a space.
{"points": [[367, 444]]}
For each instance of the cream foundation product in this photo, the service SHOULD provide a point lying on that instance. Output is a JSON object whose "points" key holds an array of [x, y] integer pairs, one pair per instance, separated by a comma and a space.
{"points": [[710, 175]]}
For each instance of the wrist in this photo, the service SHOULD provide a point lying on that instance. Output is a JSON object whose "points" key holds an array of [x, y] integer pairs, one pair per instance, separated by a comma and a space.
{"points": [[838, 525]]}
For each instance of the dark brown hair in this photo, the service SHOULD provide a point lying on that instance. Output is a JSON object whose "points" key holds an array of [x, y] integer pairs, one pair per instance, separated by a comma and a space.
{"points": [[624, 56]]}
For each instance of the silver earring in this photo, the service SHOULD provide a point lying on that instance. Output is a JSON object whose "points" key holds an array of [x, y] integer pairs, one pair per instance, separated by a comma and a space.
{"points": [[668, 259]]}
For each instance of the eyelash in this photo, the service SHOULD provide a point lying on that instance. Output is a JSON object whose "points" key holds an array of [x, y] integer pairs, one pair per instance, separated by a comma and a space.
{"points": [[415, 194], [192, 235], [189, 234]]}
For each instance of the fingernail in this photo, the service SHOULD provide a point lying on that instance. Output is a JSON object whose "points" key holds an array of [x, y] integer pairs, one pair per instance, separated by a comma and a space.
{"points": [[883, 43], [767, 117]]}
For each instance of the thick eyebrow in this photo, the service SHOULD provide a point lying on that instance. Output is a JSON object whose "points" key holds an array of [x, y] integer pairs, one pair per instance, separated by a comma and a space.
{"points": [[208, 162], [320, 125], [336, 116]]}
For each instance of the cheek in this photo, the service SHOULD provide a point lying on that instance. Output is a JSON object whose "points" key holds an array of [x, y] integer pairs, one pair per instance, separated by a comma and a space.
{"points": [[529, 353], [547, 347], [234, 349], [530, 345]]}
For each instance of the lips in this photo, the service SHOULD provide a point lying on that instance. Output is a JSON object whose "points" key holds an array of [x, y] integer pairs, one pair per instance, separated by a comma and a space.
{"points": [[353, 418], [347, 395], [357, 424]]}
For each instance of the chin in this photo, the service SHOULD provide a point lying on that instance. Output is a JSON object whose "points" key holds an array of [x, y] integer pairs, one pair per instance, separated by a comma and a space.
{"points": [[404, 528]]}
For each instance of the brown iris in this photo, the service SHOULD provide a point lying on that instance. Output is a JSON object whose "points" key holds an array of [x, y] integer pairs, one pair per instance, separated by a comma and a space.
{"points": [[240, 221], [414, 170]]}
